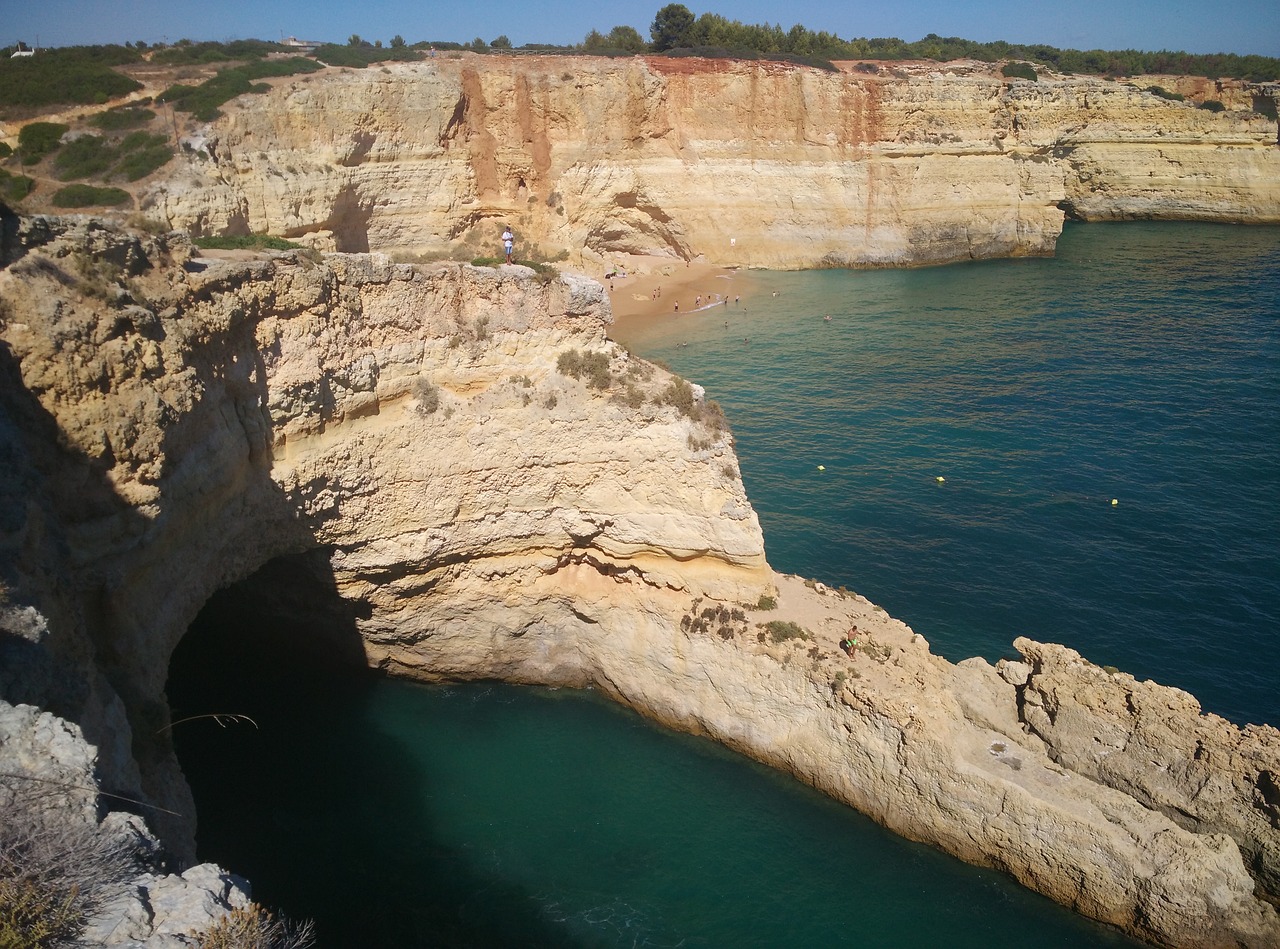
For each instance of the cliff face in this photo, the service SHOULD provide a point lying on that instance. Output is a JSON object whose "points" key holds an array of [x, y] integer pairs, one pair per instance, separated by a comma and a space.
{"points": [[752, 164], [172, 424], [487, 506]]}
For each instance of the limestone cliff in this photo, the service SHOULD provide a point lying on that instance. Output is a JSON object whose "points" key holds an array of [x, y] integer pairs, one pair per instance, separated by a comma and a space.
{"points": [[752, 164], [173, 423], [496, 490]]}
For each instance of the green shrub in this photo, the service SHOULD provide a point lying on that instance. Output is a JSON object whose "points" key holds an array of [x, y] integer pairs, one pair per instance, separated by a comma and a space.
{"points": [[89, 156], [203, 100], [70, 75], [1212, 105], [191, 53], [783, 630], [84, 157], [89, 196], [5, 150], [1163, 93], [1019, 71], [14, 187], [358, 57], [766, 602], [117, 120], [245, 242], [39, 139], [143, 153]]}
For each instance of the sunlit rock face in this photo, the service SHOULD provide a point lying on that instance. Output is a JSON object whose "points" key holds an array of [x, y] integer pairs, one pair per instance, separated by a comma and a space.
{"points": [[742, 163]]}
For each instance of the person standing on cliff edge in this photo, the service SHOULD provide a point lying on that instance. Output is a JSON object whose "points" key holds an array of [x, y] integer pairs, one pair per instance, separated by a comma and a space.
{"points": [[508, 241]]}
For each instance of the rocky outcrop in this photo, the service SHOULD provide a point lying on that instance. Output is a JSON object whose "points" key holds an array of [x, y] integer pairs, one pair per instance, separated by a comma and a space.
{"points": [[1153, 743], [742, 163], [107, 869], [493, 489]]}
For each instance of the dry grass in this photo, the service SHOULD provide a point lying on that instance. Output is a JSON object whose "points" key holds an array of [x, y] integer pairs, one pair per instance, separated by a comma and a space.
{"points": [[254, 927], [54, 871]]}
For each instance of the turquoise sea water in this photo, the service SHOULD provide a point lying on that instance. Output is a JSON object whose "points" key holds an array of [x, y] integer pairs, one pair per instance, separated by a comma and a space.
{"points": [[1142, 364]]}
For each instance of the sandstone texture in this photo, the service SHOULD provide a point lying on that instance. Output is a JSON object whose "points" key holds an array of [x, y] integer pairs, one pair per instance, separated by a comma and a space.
{"points": [[739, 163], [492, 488]]}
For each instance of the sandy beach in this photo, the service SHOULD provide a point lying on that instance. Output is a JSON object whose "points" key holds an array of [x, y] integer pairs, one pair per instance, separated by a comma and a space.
{"points": [[655, 285]]}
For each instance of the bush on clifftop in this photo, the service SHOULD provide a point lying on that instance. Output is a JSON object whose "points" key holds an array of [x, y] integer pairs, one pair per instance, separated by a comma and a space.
{"points": [[89, 196], [39, 139], [73, 75], [203, 100], [1019, 71], [14, 187]]}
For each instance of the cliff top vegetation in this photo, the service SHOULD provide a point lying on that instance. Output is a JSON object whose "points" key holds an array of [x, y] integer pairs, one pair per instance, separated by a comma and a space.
{"points": [[87, 75]]}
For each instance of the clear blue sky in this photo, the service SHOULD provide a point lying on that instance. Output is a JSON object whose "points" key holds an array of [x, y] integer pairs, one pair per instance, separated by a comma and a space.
{"points": [[1235, 26]]}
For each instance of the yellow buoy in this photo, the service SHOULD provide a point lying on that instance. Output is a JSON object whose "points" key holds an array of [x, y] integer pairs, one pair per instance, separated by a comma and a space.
{"points": [[1114, 502], [940, 479], [822, 467]]}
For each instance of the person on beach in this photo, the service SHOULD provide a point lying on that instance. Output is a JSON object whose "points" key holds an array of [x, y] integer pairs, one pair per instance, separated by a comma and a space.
{"points": [[677, 306], [508, 242]]}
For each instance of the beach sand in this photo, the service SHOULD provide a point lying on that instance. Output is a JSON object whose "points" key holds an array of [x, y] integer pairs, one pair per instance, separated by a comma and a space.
{"points": [[635, 296]]}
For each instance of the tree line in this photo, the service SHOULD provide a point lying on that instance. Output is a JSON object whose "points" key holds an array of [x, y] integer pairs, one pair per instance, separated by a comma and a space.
{"points": [[675, 31], [87, 74]]}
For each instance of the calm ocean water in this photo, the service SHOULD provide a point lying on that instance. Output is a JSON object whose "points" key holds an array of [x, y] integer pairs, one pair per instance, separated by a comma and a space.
{"points": [[1142, 364]]}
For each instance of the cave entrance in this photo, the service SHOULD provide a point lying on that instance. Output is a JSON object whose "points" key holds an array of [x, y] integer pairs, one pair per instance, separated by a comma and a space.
{"points": [[309, 779], [270, 665], [285, 624]]}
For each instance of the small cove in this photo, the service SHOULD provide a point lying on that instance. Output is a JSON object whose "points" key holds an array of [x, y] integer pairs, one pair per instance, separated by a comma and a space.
{"points": [[485, 814]]}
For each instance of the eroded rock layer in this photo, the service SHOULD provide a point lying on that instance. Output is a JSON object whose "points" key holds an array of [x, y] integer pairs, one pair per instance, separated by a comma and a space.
{"points": [[496, 490], [753, 164]]}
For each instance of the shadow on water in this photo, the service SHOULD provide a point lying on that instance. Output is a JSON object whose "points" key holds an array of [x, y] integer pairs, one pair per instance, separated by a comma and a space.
{"points": [[325, 813]]}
